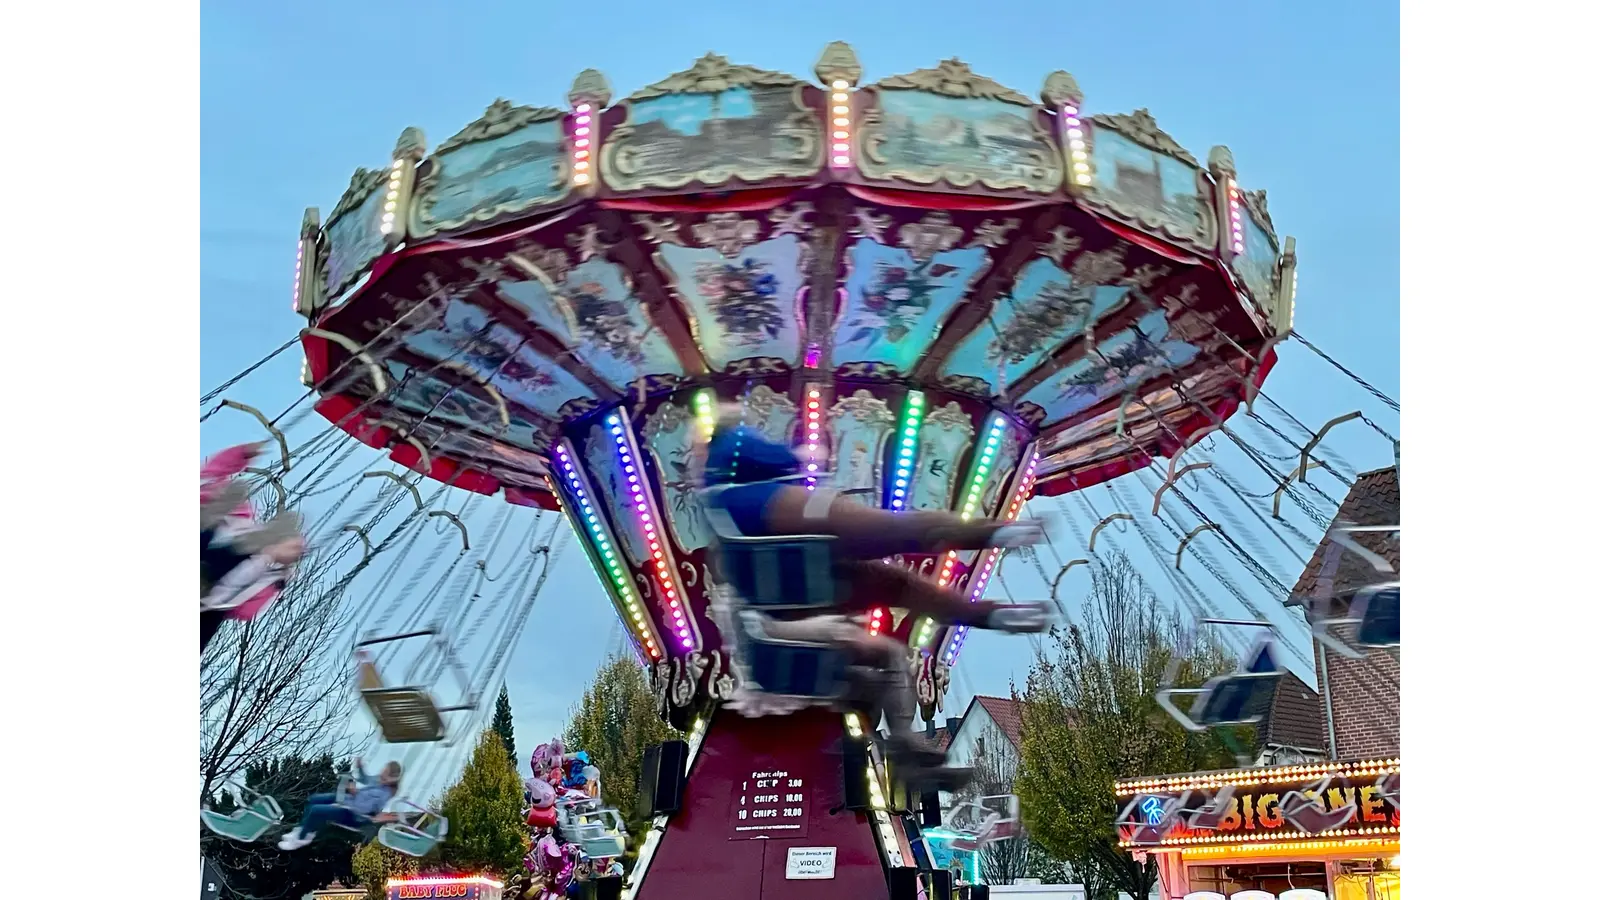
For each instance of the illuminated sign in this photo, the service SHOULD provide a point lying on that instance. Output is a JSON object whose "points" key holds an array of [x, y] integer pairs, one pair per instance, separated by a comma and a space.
{"points": [[445, 888], [1346, 805], [770, 803]]}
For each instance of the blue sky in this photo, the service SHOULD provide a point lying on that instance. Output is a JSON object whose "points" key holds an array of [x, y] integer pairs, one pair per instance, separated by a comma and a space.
{"points": [[296, 94]]}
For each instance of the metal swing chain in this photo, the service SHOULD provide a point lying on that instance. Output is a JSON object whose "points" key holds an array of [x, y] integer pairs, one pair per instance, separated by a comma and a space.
{"points": [[1387, 400]]}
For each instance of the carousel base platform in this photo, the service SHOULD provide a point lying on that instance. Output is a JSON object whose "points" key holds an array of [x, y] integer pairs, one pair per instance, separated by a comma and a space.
{"points": [[764, 818]]}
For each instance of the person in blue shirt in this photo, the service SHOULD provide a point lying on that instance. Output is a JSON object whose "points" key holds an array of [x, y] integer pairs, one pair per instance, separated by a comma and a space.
{"points": [[361, 805]]}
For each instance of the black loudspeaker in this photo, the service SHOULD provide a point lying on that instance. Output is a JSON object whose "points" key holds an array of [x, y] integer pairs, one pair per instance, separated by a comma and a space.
{"points": [[605, 889], [856, 794], [661, 779], [903, 883], [928, 803], [978, 892], [943, 882]]}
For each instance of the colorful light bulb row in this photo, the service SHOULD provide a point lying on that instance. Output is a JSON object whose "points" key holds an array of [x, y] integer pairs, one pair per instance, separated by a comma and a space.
{"points": [[603, 549], [813, 433], [1236, 217], [1077, 148], [991, 560], [299, 272], [906, 454], [582, 141], [705, 413], [984, 469], [640, 498], [839, 108], [391, 200]]}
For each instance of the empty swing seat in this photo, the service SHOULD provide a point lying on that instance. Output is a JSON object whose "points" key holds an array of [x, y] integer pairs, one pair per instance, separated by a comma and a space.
{"points": [[598, 832], [1237, 699], [417, 837], [1311, 817], [791, 668], [247, 823], [405, 715]]}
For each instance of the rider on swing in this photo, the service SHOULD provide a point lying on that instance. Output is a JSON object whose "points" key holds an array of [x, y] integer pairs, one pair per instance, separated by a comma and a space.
{"points": [[756, 483]]}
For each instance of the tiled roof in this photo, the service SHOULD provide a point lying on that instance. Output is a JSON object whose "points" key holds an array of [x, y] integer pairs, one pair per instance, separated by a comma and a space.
{"points": [[940, 736], [1007, 714], [1294, 718], [1374, 499]]}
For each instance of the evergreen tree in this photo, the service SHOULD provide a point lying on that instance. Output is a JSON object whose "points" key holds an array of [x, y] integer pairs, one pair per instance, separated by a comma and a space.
{"points": [[260, 869], [614, 723], [484, 807], [502, 725]]}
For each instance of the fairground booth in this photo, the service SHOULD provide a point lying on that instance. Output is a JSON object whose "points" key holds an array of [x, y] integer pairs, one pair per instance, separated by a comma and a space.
{"points": [[1318, 815]]}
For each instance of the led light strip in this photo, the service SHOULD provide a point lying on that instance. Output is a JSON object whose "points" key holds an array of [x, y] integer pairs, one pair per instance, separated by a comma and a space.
{"points": [[853, 726], [601, 548], [445, 879], [1284, 847], [304, 253], [977, 478], [628, 456], [813, 433], [1249, 839], [839, 107], [705, 413], [1251, 777], [991, 559], [1236, 217], [391, 200], [582, 140], [1076, 147], [906, 456]]}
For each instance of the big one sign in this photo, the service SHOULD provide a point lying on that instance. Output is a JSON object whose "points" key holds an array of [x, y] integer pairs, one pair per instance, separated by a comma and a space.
{"points": [[1254, 810]]}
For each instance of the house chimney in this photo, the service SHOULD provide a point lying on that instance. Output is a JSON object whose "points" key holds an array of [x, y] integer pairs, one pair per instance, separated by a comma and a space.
{"points": [[953, 723]]}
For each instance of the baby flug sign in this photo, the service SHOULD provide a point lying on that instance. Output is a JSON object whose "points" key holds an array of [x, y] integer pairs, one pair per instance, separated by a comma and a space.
{"points": [[469, 887]]}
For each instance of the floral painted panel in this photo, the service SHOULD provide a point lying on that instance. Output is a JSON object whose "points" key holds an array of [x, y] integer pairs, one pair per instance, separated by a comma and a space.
{"points": [[669, 436], [1118, 364], [597, 315], [422, 394], [894, 304], [860, 426], [945, 437], [1047, 306], [741, 306], [463, 333]]}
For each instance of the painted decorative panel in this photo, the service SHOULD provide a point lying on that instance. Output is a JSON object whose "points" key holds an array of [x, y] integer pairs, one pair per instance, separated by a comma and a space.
{"points": [[771, 413], [463, 334], [669, 436], [1143, 176], [861, 425], [944, 439], [740, 305], [1120, 363], [595, 313], [895, 302], [423, 394], [1047, 307], [510, 160], [1258, 266], [355, 231], [706, 126], [605, 474]]}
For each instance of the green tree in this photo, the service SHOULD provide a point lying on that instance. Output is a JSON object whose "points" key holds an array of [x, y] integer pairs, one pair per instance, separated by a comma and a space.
{"points": [[484, 808], [374, 864], [614, 723], [260, 869], [1089, 716], [502, 725]]}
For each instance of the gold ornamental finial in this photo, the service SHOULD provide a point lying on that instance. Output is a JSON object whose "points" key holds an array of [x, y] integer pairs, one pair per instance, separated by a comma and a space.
{"points": [[1061, 89], [1220, 162], [412, 145], [590, 86], [838, 62]]}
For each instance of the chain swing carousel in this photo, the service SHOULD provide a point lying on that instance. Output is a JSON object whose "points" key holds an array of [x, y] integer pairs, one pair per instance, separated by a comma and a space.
{"points": [[944, 294]]}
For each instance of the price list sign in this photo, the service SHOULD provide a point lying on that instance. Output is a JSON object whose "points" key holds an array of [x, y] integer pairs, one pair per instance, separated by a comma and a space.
{"points": [[769, 804]]}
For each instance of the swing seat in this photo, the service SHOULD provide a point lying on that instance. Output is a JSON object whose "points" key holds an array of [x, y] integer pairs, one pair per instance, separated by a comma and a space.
{"points": [[405, 715], [1379, 612], [1388, 788], [786, 572], [419, 835], [792, 668], [247, 823], [598, 831], [1238, 699], [1310, 817], [977, 823]]}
